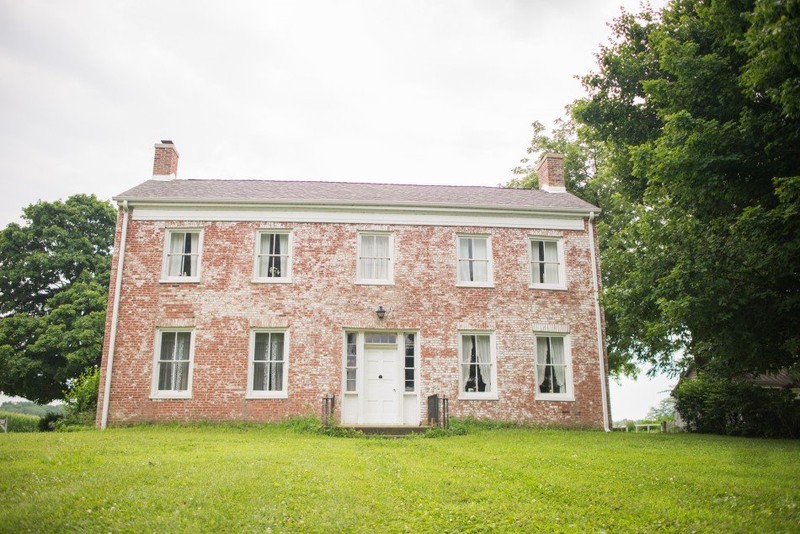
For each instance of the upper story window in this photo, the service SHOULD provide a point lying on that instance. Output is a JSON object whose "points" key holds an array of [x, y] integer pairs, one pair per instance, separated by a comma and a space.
{"points": [[273, 256], [474, 261], [553, 368], [172, 377], [182, 255], [268, 364], [375, 258], [478, 372], [547, 263]]}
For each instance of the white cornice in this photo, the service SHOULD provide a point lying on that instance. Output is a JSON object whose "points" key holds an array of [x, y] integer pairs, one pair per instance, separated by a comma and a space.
{"points": [[566, 219]]}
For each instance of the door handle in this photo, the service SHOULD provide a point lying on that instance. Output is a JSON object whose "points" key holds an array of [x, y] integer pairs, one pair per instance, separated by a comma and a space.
{"points": [[380, 376]]}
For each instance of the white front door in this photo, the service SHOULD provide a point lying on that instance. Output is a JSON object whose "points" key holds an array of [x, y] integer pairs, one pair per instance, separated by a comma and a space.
{"points": [[382, 386]]}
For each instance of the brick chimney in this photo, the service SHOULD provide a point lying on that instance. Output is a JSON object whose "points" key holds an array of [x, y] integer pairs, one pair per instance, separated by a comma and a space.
{"points": [[165, 162], [551, 173]]}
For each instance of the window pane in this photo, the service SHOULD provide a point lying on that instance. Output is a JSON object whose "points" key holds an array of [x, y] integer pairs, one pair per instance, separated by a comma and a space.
{"points": [[380, 337], [182, 345], [181, 376], [480, 271], [480, 249], [165, 376], [260, 349], [276, 346], [259, 376], [167, 345]]}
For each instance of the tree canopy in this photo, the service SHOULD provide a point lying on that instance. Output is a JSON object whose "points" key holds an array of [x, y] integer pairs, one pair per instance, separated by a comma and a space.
{"points": [[54, 274], [692, 123]]}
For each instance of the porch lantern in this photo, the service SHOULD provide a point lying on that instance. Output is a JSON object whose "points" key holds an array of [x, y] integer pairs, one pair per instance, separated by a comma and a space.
{"points": [[380, 312]]}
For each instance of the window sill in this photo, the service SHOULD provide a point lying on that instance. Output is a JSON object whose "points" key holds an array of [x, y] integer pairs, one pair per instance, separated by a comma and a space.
{"points": [[552, 287], [478, 396], [274, 280], [181, 280], [374, 282], [474, 284], [556, 398], [409, 393], [179, 395], [267, 395]]}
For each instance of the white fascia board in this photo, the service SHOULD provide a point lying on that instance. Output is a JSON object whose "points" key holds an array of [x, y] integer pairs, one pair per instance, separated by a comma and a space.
{"points": [[355, 214]]}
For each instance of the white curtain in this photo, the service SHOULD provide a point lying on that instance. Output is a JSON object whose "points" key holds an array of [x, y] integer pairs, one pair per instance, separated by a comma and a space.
{"points": [[176, 253], [174, 361], [259, 362], [375, 257], [559, 363], [481, 346], [473, 262], [466, 355], [551, 262], [268, 362], [276, 365], [551, 365], [183, 249], [263, 257], [484, 353]]}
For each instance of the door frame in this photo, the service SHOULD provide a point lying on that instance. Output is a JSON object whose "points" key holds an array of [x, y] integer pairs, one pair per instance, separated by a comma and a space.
{"points": [[357, 399]]}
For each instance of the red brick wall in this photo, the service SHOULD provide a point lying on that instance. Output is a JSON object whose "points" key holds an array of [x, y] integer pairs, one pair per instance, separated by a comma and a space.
{"points": [[323, 299]]}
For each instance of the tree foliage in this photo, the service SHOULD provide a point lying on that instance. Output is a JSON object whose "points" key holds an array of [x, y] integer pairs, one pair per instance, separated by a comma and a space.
{"points": [[54, 273], [694, 111], [719, 405]]}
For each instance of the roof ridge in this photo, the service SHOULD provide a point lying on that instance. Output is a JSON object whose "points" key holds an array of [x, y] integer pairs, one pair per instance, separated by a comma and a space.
{"points": [[336, 182]]}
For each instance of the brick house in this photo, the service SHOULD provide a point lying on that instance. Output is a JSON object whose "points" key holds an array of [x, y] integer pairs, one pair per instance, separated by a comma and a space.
{"points": [[252, 299]]}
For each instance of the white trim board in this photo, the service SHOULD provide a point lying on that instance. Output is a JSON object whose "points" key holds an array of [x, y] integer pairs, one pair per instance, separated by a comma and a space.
{"points": [[360, 215]]}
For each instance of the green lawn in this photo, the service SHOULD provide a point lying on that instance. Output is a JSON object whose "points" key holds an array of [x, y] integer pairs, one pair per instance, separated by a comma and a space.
{"points": [[224, 478]]}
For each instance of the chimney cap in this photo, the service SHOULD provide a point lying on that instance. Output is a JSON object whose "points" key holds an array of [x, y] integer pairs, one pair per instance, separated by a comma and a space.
{"points": [[167, 142]]}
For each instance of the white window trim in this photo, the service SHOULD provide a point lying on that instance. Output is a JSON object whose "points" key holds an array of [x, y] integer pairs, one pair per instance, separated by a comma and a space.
{"points": [[165, 277], [156, 393], [466, 395], [251, 394], [562, 270], [489, 268], [290, 260], [375, 281], [537, 395]]}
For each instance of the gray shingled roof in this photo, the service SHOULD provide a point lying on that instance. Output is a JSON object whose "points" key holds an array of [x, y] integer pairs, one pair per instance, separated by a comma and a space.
{"points": [[293, 192]]}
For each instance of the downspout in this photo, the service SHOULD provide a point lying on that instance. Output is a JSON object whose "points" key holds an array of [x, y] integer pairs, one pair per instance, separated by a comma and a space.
{"points": [[115, 315], [598, 324]]}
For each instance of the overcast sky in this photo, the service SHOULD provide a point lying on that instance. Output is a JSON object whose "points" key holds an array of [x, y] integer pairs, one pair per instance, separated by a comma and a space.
{"points": [[385, 91]]}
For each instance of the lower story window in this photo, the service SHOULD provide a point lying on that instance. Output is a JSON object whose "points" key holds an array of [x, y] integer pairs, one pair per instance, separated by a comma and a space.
{"points": [[553, 373], [268, 364], [477, 365], [173, 363]]}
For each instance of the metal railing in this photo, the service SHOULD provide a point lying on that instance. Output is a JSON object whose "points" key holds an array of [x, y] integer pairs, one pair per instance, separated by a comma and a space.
{"points": [[438, 411], [328, 404]]}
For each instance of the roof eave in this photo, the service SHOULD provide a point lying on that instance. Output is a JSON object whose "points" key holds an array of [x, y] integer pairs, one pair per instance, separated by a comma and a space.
{"points": [[133, 201]]}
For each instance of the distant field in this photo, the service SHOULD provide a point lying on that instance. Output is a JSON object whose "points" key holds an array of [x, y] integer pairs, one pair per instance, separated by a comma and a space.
{"points": [[257, 478]]}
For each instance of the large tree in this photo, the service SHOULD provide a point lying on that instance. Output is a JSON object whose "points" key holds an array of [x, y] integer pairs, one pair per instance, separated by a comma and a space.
{"points": [[697, 113], [54, 273]]}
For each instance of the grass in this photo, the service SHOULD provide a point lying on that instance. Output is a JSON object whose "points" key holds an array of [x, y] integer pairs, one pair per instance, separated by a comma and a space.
{"points": [[259, 478]]}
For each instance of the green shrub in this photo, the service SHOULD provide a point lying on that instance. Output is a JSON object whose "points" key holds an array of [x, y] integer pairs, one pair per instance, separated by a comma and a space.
{"points": [[736, 407], [19, 422], [81, 398], [50, 422]]}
